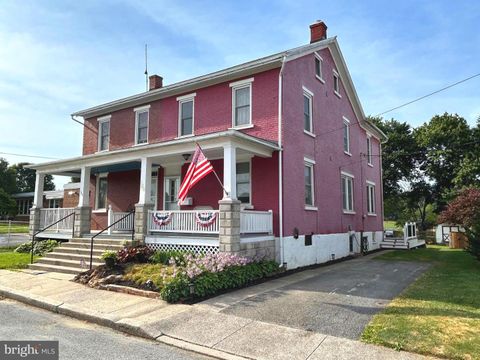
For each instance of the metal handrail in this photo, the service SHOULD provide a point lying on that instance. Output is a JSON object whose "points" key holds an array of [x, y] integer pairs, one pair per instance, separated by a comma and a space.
{"points": [[108, 227], [48, 227]]}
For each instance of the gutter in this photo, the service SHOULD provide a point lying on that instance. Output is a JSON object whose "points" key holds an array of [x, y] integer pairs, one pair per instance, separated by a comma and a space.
{"points": [[280, 166]]}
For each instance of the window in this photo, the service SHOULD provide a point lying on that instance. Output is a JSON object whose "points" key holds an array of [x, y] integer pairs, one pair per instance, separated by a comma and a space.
{"points": [[24, 206], [241, 103], [244, 182], [186, 114], [336, 84], [307, 111], [347, 192], [54, 203], [101, 193], [141, 125], [346, 136], [319, 67], [309, 185], [369, 150], [370, 198], [103, 133]]}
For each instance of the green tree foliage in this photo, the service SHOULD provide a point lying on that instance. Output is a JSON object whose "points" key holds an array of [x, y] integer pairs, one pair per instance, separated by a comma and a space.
{"points": [[25, 179], [7, 177], [7, 204]]}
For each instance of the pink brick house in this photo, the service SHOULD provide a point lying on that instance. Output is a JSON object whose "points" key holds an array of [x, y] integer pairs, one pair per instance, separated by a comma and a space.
{"points": [[286, 134]]}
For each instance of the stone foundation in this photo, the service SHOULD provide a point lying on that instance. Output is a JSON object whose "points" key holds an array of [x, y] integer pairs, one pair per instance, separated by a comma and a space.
{"points": [[229, 226], [258, 249], [34, 225], [83, 219], [141, 222]]}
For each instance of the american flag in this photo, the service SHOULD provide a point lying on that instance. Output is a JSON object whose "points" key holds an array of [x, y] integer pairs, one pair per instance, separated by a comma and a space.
{"points": [[198, 169]]}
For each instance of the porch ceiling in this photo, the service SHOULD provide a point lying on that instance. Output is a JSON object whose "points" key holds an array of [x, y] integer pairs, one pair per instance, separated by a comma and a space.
{"points": [[162, 153]]}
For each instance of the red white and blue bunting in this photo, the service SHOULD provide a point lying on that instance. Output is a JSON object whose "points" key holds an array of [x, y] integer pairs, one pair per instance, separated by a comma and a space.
{"points": [[205, 218], [162, 219]]}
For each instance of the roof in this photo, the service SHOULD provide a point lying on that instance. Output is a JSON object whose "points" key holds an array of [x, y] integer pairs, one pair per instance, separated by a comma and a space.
{"points": [[50, 194]]}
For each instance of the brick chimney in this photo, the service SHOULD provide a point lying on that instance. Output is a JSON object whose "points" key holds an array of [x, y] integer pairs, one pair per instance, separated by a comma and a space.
{"points": [[155, 81], [318, 31]]}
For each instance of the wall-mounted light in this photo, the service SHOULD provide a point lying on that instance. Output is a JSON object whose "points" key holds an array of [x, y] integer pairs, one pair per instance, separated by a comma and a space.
{"points": [[295, 233], [186, 156]]}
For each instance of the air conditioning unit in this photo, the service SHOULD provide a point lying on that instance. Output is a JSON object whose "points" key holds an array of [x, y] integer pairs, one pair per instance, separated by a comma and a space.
{"points": [[187, 201]]}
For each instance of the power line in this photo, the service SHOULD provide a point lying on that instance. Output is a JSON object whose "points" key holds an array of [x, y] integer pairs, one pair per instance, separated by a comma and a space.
{"points": [[430, 94], [32, 156]]}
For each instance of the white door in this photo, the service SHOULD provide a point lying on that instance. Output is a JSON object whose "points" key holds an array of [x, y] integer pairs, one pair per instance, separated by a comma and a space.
{"points": [[153, 192], [172, 184]]}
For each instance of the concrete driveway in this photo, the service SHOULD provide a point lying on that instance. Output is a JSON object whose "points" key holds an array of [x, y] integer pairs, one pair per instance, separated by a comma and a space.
{"points": [[337, 300]]}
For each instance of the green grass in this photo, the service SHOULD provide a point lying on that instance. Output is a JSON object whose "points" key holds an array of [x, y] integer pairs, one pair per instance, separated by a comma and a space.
{"points": [[140, 273], [390, 224], [14, 228], [437, 315], [11, 260]]}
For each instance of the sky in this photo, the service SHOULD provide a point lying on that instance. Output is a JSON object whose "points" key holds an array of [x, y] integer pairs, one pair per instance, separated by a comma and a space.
{"points": [[57, 57]]}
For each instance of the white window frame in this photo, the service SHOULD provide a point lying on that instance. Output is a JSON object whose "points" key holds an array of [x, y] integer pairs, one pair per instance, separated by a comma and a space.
{"points": [[320, 59], [371, 205], [348, 177], [237, 85], [249, 161], [308, 94], [307, 162], [138, 111], [97, 193], [346, 123], [336, 83], [181, 100], [369, 150], [100, 121]]}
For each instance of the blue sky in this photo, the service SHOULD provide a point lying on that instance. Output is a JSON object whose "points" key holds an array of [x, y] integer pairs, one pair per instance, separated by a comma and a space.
{"points": [[57, 57]]}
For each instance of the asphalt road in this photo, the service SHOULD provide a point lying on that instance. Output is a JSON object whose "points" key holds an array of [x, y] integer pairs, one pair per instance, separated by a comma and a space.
{"points": [[80, 340], [339, 301], [14, 240]]}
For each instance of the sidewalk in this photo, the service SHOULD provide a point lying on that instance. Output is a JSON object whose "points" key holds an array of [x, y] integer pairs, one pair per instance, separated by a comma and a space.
{"points": [[197, 328]]}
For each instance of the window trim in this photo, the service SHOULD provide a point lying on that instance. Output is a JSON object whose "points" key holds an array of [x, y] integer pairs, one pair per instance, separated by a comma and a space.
{"points": [[138, 111], [101, 120], [308, 94], [336, 89], [310, 164], [371, 185], [320, 59], [249, 161], [97, 193], [181, 100], [369, 150], [346, 122], [348, 176], [237, 85]]}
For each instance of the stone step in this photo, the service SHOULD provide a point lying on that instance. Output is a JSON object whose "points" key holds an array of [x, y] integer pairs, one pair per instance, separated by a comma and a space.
{"points": [[74, 257], [384, 245], [101, 240], [96, 246], [55, 268], [79, 251], [67, 263]]}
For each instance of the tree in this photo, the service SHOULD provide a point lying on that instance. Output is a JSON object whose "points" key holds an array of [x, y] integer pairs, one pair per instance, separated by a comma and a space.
{"points": [[7, 177], [7, 204], [25, 179]]}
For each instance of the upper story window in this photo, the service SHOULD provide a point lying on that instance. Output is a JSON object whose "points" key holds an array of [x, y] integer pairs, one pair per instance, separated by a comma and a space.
{"points": [[103, 133], [319, 68], [346, 136], [244, 180], [307, 111], [347, 192], [141, 124], [186, 114], [369, 150], [309, 184], [336, 84], [242, 103], [370, 198]]}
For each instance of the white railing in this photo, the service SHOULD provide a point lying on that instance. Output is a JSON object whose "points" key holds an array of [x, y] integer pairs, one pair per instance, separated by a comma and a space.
{"points": [[125, 223], [50, 215], [409, 231], [183, 221], [256, 222]]}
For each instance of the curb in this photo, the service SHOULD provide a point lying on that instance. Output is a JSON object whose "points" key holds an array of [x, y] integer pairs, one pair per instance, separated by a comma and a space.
{"points": [[63, 309]]}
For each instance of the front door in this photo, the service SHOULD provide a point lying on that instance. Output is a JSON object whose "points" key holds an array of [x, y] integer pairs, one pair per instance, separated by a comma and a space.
{"points": [[172, 184]]}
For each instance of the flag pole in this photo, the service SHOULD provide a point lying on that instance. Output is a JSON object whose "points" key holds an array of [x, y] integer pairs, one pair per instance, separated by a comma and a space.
{"points": [[216, 175]]}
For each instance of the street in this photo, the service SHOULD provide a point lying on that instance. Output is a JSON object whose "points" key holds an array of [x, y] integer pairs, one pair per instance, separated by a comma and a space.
{"points": [[78, 339], [13, 239]]}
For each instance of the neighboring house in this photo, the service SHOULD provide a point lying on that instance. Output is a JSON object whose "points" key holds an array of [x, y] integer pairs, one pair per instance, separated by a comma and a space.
{"points": [[287, 135]]}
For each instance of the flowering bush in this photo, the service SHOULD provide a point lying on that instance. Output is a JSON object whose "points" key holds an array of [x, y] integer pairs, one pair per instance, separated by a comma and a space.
{"points": [[139, 254]]}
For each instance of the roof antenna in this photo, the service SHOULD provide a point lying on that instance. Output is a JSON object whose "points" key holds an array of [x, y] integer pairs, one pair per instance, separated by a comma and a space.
{"points": [[146, 69]]}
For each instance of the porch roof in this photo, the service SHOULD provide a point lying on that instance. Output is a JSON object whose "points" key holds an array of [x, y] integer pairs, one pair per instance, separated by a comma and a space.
{"points": [[162, 152]]}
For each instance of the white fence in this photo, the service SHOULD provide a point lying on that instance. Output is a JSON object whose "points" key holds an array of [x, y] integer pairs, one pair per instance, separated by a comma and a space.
{"points": [[49, 216], [256, 222], [409, 231], [184, 221], [125, 223]]}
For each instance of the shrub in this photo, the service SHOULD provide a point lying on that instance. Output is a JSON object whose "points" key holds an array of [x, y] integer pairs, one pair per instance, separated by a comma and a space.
{"points": [[139, 254], [110, 258], [39, 248], [163, 257]]}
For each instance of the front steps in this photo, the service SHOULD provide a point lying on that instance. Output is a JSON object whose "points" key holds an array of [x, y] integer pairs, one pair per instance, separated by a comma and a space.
{"points": [[401, 244], [73, 257]]}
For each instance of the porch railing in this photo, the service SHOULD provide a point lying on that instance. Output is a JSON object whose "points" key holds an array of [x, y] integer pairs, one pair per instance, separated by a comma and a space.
{"points": [[256, 222], [120, 221], [52, 215], [183, 221]]}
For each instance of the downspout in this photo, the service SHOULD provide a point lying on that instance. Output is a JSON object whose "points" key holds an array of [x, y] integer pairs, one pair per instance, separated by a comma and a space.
{"points": [[280, 166]]}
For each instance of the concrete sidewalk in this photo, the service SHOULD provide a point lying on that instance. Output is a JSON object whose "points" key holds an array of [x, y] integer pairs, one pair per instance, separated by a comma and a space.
{"points": [[196, 328]]}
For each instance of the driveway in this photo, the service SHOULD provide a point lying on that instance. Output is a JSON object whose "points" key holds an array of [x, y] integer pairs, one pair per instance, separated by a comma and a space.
{"points": [[337, 300]]}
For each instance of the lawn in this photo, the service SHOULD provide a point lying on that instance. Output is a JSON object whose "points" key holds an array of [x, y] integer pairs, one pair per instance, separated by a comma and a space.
{"points": [[437, 315], [14, 228], [11, 260], [390, 224]]}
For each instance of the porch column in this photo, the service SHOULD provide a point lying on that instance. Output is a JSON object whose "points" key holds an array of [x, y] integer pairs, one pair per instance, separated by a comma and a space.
{"points": [[229, 226], [230, 171], [34, 225], [83, 212], [143, 205]]}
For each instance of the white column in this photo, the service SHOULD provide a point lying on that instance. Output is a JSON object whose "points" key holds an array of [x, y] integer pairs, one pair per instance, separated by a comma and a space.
{"points": [[230, 171], [38, 197], [145, 181], [84, 198]]}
